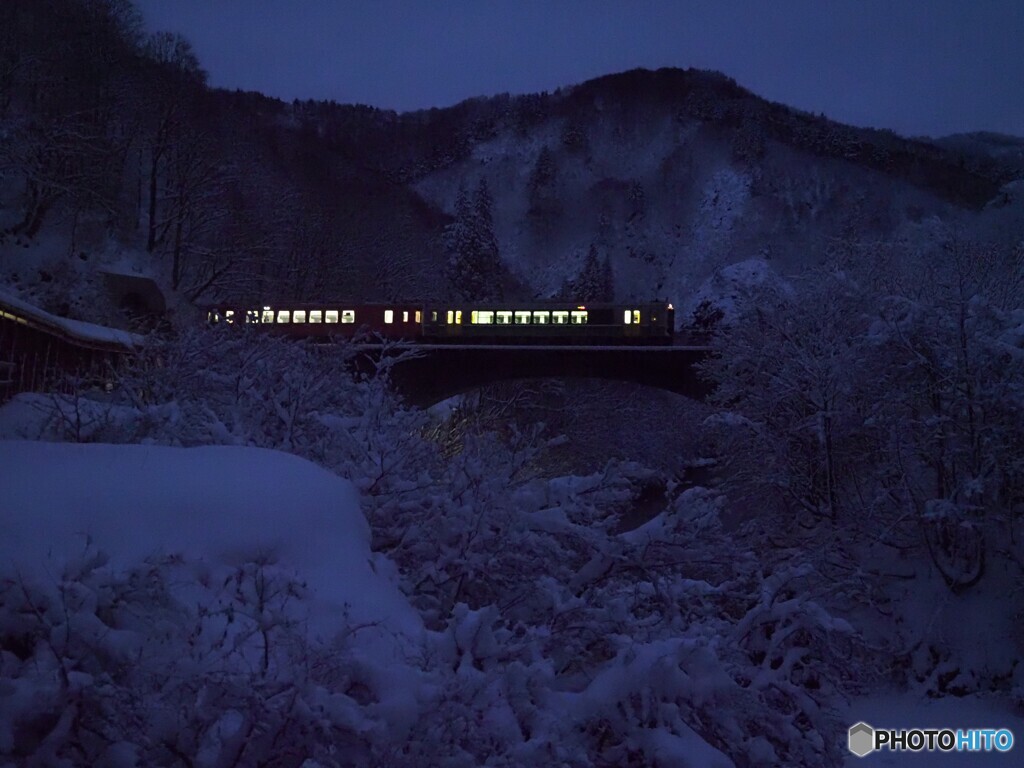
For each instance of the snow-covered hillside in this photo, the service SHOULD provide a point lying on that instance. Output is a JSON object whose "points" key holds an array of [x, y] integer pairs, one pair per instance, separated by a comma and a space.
{"points": [[672, 195]]}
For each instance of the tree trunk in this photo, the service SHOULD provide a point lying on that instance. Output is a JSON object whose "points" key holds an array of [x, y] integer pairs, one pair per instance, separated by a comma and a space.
{"points": [[154, 167]]}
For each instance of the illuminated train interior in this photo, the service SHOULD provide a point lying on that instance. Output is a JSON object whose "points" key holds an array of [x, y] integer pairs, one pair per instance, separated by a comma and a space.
{"points": [[638, 322]]}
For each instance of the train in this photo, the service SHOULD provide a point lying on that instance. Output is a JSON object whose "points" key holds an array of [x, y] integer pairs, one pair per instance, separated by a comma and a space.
{"points": [[547, 322]]}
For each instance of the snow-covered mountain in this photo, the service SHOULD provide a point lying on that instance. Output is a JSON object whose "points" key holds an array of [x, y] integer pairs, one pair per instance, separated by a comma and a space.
{"points": [[675, 175], [672, 175]]}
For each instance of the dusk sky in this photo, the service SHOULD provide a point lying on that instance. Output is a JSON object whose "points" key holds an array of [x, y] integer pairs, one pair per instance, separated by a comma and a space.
{"points": [[928, 67]]}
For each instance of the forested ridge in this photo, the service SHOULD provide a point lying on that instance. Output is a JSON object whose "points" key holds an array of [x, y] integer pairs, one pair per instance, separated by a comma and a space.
{"points": [[110, 132]]}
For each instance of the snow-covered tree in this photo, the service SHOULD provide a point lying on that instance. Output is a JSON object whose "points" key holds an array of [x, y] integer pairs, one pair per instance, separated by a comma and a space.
{"points": [[783, 372], [474, 268], [595, 281]]}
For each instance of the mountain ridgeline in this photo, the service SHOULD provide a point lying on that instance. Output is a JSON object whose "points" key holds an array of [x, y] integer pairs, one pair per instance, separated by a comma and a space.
{"points": [[663, 176]]}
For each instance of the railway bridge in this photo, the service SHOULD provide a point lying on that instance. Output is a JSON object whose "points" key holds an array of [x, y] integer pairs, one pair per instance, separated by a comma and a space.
{"points": [[430, 373], [38, 350]]}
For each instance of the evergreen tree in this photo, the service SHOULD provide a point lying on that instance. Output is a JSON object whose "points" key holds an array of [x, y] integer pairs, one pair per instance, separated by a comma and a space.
{"points": [[474, 264], [594, 282], [607, 279]]}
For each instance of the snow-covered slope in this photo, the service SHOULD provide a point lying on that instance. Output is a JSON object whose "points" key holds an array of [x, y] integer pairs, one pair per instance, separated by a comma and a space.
{"points": [[221, 505], [674, 175]]}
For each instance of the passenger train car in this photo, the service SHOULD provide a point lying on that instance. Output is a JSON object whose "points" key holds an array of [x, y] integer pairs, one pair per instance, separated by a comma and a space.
{"points": [[483, 323]]}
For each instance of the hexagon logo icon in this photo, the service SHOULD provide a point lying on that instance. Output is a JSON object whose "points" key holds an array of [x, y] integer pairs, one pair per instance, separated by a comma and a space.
{"points": [[861, 739]]}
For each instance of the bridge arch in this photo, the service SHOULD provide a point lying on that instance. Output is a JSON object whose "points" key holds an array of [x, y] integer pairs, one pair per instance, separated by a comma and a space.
{"points": [[438, 372]]}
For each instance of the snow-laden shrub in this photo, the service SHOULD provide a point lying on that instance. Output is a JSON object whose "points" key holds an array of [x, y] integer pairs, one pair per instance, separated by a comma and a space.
{"points": [[233, 386], [178, 662], [667, 645], [555, 640]]}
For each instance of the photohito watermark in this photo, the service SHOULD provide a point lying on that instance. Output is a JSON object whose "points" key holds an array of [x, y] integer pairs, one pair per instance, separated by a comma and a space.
{"points": [[864, 739]]}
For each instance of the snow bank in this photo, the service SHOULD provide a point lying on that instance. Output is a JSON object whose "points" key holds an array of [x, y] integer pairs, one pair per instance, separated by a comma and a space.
{"points": [[223, 505]]}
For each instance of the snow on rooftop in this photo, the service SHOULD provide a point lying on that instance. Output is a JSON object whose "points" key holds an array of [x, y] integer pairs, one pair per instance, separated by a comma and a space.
{"points": [[86, 332]]}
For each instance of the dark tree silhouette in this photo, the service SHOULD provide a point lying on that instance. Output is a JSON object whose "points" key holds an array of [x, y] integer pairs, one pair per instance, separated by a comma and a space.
{"points": [[474, 264]]}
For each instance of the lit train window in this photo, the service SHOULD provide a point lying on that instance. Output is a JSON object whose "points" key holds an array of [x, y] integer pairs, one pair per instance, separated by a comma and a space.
{"points": [[316, 315], [522, 317], [560, 317], [458, 316], [483, 317], [252, 316], [283, 315], [541, 318], [331, 316], [419, 316], [636, 316], [451, 317], [348, 316], [229, 315], [213, 317], [15, 318], [405, 317], [268, 315], [389, 315], [433, 316], [504, 317], [299, 316], [579, 317], [627, 317]]}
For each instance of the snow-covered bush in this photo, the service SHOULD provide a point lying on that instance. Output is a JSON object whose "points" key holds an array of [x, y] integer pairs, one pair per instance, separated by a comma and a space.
{"points": [[176, 662], [236, 387], [555, 640]]}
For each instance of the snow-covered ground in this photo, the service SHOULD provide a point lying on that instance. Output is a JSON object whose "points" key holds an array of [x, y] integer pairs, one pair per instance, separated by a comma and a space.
{"points": [[226, 588], [224, 505]]}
